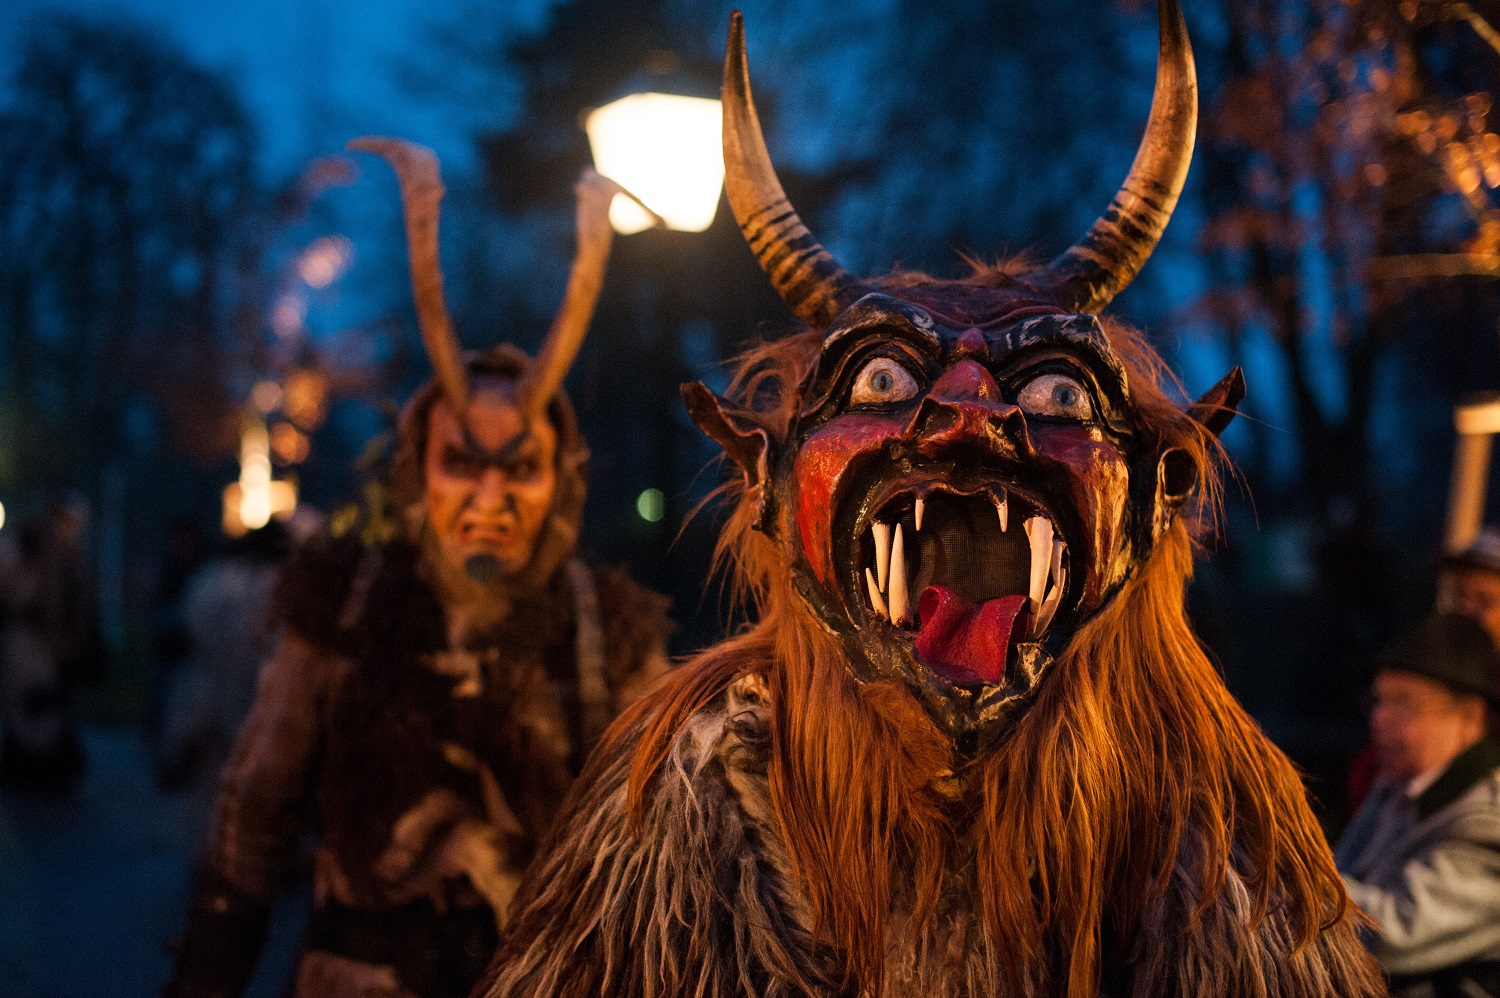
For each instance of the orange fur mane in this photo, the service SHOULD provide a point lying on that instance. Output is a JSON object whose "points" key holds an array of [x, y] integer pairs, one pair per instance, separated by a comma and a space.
{"points": [[1133, 760]]}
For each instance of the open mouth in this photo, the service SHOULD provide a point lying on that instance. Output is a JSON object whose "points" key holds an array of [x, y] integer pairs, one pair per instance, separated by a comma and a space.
{"points": [[964, 575]]}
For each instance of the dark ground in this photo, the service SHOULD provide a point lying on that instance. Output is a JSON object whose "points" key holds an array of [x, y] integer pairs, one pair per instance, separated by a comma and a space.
{"points": [[94, 885]]}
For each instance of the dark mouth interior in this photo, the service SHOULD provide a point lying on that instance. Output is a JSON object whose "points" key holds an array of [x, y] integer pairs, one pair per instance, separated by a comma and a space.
{"points": [[960, 545]]}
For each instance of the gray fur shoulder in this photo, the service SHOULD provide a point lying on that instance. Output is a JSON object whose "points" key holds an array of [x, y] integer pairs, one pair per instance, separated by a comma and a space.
{"points": [[692, 902], [1225, 950]]}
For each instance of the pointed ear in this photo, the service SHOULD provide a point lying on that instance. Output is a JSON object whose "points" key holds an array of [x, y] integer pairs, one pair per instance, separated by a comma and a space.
{"points": [[732, 428], [1218, 406]]}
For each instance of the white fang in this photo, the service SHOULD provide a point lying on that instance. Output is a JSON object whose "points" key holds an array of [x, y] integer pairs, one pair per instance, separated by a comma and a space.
{"points": [[921, 508], [898, 577], [875, 598], [1003, 508], [882, 533], [1050, 605], [1039, 533]]}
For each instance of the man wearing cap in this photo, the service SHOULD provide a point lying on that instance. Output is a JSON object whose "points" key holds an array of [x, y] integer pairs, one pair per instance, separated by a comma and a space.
{"points": [[1422, 855], [443, 672]]}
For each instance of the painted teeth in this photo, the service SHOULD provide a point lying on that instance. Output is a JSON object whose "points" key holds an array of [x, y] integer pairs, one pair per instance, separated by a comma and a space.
{"points": [[886, 581], [882, 532], [1039, 533], [898, 578], [1051, 603], [875, 599]]}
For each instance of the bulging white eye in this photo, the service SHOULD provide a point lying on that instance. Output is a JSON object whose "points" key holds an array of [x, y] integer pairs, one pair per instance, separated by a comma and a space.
{"points": [[882, 380], [1056, 395]]}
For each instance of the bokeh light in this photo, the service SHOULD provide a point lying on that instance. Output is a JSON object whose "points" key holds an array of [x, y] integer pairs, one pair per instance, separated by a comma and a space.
{"points": [[325, 261], [288, 315], [289, 444], [651, 505], [306, 398], [266, 396]]}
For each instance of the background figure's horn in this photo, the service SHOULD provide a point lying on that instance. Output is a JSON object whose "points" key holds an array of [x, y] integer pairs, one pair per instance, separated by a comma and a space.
{"points": [[1096, 268], [804, 273], [557, 354], [421, 199]]}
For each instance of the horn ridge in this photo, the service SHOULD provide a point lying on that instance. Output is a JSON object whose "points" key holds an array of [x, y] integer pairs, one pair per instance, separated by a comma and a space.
{"points": [[422, 191], [805, 274], [1088, 275]]}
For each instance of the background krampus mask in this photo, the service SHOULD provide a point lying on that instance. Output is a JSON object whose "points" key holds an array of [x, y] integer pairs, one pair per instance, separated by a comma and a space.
{"points": [[967, 477], [533, 386]]}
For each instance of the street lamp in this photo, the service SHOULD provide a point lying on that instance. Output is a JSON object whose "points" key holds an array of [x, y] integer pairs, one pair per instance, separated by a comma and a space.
{"points": [[665, 150]]}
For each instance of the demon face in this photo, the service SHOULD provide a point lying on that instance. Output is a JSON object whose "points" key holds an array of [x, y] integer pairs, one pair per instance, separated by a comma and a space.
{"points": [[967, 479], [957, 493], [955, 499]]}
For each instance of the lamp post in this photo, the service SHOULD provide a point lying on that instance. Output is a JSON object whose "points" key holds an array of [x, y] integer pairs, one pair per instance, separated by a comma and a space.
{"points": [[665, 150]]}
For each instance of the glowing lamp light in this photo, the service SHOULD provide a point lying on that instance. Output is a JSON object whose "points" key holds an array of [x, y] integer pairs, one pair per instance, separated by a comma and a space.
{"points": [[250, 502], [667, 151], [651, 505]]}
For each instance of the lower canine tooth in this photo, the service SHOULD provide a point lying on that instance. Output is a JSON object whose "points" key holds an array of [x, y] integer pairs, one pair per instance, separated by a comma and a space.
{"points": [[1039, 533], [898, 577], [882, 533], [875, 599], [921, 508], [1003, 508], [1049, 605]]}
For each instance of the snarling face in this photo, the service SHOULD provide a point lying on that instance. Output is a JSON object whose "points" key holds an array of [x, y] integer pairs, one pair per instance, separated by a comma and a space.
{"points": [[488, 492], [957, 499]]}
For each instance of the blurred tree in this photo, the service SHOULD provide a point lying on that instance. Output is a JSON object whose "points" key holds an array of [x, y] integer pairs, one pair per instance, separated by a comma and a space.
{"points": [[128, 272], [1336, 153], [127, 239], [1347, 155]]}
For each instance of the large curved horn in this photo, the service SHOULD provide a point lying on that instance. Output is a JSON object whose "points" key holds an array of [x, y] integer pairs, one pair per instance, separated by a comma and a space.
{"points": [[1099, 266], [595, 235], [421, 199], [804, 273]]}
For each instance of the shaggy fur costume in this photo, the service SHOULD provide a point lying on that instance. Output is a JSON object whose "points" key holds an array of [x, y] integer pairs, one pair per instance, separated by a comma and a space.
{"points": [[765, 824], [392, 716], [363, 715]]}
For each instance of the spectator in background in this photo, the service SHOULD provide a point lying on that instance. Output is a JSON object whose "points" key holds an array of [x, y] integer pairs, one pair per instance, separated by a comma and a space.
{"points": [[186, 550], [226, 621], [1422, 855], [49, 641], [1468, 583]]}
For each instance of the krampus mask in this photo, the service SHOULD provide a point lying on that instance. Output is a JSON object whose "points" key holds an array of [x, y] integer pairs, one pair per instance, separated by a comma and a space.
{"points": [[967, 477], [536, 384]]}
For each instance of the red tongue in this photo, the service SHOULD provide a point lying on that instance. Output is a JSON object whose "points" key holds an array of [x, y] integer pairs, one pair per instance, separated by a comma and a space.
{"points": [[967, 642]]}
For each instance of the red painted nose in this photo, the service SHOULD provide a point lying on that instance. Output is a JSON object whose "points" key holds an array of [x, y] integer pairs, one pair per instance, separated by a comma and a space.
{"points": [[964, 408]]}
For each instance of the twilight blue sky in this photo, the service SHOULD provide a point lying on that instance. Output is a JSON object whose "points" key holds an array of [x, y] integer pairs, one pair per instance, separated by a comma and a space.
{"points": [[315, 72]]}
